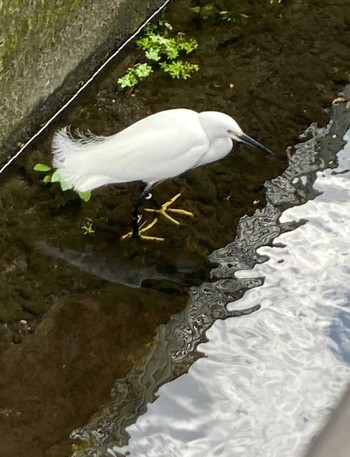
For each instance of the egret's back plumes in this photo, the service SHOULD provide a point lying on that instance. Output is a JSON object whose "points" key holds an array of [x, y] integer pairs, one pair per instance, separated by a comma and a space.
{"points": [[76, 159]]}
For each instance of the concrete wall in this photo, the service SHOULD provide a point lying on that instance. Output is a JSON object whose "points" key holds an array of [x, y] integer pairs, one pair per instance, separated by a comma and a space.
{"points": [[47, 48]]}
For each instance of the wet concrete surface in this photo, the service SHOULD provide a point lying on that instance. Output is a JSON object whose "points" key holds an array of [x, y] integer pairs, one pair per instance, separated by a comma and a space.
{"points": [[69, 331]]}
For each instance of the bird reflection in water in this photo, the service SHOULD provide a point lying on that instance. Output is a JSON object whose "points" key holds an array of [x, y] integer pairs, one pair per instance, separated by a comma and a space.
{"points": [[181, 270]]}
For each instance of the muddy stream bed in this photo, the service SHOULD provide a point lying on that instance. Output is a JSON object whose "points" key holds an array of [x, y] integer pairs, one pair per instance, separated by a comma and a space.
{"points": [[90, 320]]}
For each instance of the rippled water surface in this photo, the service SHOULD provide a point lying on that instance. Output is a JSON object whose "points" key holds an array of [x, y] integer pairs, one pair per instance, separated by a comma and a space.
{"points": [[108, 344], [269, 380]]}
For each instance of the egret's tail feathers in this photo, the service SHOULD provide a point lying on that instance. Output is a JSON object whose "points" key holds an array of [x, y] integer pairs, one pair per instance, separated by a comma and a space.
{"points": [[76, 158], [64, 144]]}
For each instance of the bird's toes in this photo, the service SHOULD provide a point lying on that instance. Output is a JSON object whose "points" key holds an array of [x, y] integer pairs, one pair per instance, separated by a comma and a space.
{"points": [[165, 209], [164, 213], [181, 211], [142, 229]]}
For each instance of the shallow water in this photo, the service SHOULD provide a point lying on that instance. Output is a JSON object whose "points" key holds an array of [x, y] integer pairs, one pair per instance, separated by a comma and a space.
{"points": [[90, 321], [269, 380]]}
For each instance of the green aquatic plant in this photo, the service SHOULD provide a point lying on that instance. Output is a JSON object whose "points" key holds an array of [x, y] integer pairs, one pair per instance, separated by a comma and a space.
{"points": [[179, 69], [54, 176], [135, 74], [163, 48], [211, 10], [41, 167], [88, 228], [159, 47]]}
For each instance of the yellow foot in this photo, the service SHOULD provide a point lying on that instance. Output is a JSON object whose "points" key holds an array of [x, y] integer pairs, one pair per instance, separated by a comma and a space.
{"points": [[164, 210], [142, 230]]}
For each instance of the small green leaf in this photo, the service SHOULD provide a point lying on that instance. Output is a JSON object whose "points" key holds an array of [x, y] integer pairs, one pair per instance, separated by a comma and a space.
{"points": [[142, 70], [65, 185], [56, 176], [188, 46], [85, 196], [152, 54], [179, 69], [88, 227], [143, 43], [158, 39], [47, 179], [172, 50], [41, 167], [128, 80]]}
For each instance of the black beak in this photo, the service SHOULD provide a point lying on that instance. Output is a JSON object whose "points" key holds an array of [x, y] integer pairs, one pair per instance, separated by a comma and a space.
{"points": [[248, 140]]}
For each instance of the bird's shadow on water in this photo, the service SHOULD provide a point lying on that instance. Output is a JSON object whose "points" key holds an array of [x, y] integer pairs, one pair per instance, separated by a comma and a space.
{"points": [[136, 271]]}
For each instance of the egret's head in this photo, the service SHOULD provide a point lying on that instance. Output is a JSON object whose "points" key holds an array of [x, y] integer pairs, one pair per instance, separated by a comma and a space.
{"points": [[218, 124]]}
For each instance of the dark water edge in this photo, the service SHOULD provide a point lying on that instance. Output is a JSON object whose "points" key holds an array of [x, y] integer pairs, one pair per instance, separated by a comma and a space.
{"points": [[287, 62]]}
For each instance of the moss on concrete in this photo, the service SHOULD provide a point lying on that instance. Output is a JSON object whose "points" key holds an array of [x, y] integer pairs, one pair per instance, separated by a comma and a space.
{"points": [[42, 43], [24, 22]]}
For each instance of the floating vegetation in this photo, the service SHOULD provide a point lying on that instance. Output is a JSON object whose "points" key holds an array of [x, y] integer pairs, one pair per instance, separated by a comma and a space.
{"points": [[164, 49]]}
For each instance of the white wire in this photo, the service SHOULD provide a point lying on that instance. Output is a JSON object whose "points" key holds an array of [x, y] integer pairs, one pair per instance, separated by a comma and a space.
{"points": [[84, 86]]}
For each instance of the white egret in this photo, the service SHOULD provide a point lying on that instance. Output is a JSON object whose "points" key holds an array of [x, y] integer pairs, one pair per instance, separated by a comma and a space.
{"points": [[156, 148]]}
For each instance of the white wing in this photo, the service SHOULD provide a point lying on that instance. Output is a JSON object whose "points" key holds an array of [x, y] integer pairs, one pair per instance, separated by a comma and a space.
{"points": [[158, 147]]}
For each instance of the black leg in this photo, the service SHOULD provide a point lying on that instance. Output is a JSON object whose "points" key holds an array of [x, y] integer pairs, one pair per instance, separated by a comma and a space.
{"points": [[135, 213]]}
